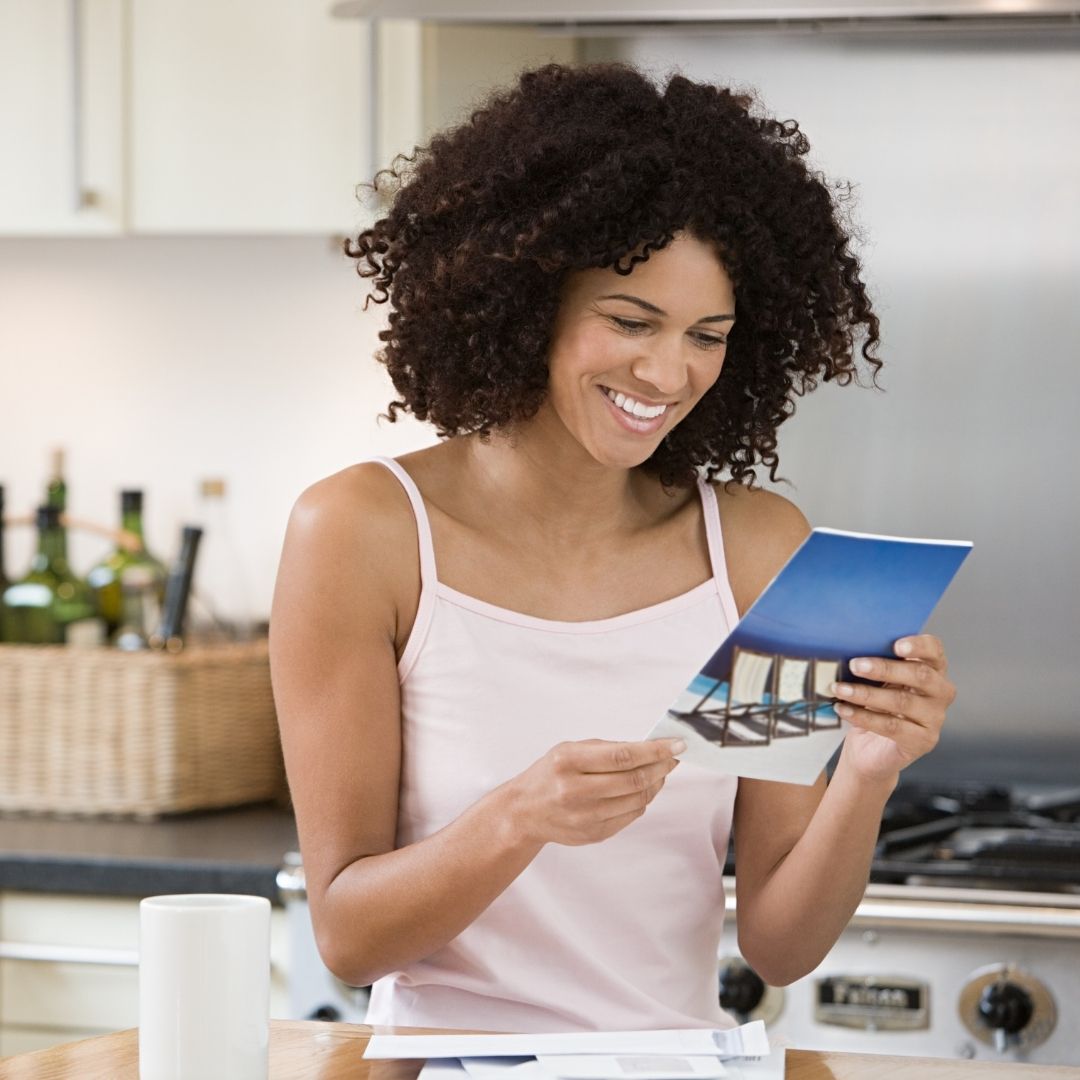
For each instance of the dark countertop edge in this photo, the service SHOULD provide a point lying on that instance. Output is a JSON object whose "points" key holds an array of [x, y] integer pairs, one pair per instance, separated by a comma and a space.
{"points": [[118, 877], [237, 850]]}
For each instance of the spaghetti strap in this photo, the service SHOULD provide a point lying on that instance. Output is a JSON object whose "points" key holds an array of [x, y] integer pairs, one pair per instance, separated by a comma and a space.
{"points": [[713, 531], [428, 575], [429, 580]]}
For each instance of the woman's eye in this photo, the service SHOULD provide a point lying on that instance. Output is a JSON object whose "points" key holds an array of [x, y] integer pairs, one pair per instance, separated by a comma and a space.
{"points": [[631, 326], [710, 341]]}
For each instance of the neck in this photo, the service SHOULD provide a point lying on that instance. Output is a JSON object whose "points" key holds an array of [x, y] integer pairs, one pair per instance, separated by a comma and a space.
{"points": [[560, 494]]}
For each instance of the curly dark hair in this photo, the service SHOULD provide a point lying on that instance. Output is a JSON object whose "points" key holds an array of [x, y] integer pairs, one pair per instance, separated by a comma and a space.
{"points": [[596, 166]]}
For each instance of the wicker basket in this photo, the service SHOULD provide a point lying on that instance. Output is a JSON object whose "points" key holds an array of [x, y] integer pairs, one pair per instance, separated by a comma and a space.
{"points": [[97, 731]]}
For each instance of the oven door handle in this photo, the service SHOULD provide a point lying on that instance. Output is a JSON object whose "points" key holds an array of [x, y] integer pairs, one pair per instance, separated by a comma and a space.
{"points": [[971, 918], [1021, 919], [68, 954]]}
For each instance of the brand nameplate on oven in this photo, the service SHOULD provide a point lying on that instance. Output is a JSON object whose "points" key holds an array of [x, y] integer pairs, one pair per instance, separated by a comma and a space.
{"points": [[872, 1002]]}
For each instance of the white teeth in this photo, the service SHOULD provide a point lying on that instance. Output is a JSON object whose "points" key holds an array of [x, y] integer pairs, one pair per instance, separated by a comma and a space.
{"points": [[635, 408]]}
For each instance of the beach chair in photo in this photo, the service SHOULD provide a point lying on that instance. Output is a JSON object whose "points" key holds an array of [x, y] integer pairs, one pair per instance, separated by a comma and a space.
{"points": [[744, 718], [735, 712], [823, 674], [791, 713], [803, 701], [767, 697]]}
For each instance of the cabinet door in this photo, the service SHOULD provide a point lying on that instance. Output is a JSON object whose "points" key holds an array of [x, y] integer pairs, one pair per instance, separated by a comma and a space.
{"points": [[246, 117], [61, 117]]}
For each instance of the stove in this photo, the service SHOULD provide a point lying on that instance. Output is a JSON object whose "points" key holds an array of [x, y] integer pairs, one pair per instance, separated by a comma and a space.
{"points": [[967, 941]]}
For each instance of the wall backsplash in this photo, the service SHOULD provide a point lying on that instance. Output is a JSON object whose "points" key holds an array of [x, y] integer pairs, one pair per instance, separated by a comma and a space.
{"points": [[158, 362]]}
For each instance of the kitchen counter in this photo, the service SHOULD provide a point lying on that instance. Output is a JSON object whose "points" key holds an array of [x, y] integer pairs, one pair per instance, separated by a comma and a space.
{"points": [[234, 851], [301, 1050]]}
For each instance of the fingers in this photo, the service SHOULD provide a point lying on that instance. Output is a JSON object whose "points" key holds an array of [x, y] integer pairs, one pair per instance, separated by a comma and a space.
{"points": [[616, 784], [633, 804], [909, 708], [914, 688], [913, 739], [925, 647], [597, 787], [893, 700], [601, 756]]}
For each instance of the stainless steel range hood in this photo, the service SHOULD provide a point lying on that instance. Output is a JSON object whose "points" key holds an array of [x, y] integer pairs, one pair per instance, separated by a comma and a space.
{"points": [[822, 13]]}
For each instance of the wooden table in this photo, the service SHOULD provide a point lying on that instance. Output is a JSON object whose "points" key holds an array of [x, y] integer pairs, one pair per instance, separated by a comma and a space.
{"points": [[304, 1050]]}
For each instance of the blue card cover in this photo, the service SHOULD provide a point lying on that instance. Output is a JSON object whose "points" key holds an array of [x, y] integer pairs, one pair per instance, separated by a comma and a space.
{"points": [[761, 705]]}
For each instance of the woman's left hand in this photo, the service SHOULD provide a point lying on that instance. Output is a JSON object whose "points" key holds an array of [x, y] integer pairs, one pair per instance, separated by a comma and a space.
{"points": [[896, 723]]}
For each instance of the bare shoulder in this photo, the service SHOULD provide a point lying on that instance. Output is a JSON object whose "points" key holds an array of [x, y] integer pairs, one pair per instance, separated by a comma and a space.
{"points": [[365, 496], [761, 530], [354, 534]]}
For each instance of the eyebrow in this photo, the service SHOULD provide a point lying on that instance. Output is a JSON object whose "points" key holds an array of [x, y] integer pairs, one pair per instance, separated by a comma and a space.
{"points": [[660, 311]]}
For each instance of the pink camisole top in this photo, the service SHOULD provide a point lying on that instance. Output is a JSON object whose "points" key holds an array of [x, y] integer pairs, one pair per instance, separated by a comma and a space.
{"points": [[617, 935]]}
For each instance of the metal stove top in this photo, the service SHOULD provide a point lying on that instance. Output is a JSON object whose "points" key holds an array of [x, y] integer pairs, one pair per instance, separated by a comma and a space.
{"points": [[980, 835]]}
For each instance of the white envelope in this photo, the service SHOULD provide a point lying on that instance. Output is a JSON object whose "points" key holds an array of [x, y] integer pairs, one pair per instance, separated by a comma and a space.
{"points": [[749, 1040], [631, 1066]]}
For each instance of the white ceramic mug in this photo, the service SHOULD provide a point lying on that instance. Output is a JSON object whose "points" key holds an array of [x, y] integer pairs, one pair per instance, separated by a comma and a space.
{"points": [[204, 987]]}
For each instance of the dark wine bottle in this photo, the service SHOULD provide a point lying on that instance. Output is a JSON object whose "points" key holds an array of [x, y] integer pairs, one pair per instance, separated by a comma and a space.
{"points": [[169, 634], [50, 605]]}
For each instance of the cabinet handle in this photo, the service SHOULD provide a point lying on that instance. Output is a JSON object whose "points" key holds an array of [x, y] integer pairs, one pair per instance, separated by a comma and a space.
{"points": [[84, 198], [68, 954], [373, 97]]}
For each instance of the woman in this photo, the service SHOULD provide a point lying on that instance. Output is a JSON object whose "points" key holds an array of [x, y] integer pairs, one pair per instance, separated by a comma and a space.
{"points": [[600, 289]]}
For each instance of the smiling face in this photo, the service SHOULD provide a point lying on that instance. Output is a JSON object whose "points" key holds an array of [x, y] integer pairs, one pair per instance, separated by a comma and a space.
{"points": [[632, 355]]}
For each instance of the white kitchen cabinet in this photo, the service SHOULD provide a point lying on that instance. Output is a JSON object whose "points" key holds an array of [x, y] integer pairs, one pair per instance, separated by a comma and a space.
{"points": [[246, 117], [157, 117], [61, 117], [55, 992]]}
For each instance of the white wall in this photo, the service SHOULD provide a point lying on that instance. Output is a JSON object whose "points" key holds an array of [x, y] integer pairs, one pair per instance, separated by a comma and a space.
{"points": [[967, 174], [159, 362]]}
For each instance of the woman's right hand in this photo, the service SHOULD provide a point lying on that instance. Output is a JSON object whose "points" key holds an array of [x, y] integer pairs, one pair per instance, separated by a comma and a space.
{"points": [[585, 791]]}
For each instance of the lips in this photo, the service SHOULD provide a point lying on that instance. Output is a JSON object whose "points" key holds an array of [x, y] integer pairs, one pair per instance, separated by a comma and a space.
{"points": [[636, 425]]}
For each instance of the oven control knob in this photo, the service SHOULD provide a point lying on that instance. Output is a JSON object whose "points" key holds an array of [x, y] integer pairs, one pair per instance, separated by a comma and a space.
{"points": [[745, 994], [1006, 1007], [741, 988], [329, 1013]]}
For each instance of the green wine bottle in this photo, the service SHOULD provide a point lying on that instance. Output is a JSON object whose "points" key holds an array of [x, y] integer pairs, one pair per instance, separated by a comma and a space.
{"points": [[56, 491], [129, 571], [50, 606]]}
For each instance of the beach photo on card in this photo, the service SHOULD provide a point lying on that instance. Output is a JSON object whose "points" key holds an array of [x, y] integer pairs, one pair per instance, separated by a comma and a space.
{"points": [[762, 705]]}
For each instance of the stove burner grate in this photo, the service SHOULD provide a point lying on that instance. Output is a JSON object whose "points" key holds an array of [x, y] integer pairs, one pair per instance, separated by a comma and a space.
{"points": [[980, 834]]}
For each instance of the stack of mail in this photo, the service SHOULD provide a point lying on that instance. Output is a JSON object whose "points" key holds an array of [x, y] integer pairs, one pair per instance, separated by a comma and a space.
{"points": [[685, 1054]]}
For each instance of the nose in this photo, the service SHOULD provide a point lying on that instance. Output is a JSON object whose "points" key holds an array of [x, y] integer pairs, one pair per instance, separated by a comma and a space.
{"points": [[662, 366]]}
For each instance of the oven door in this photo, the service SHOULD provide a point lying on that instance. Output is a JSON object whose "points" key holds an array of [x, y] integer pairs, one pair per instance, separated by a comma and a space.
{"points": [[930, 971]]}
